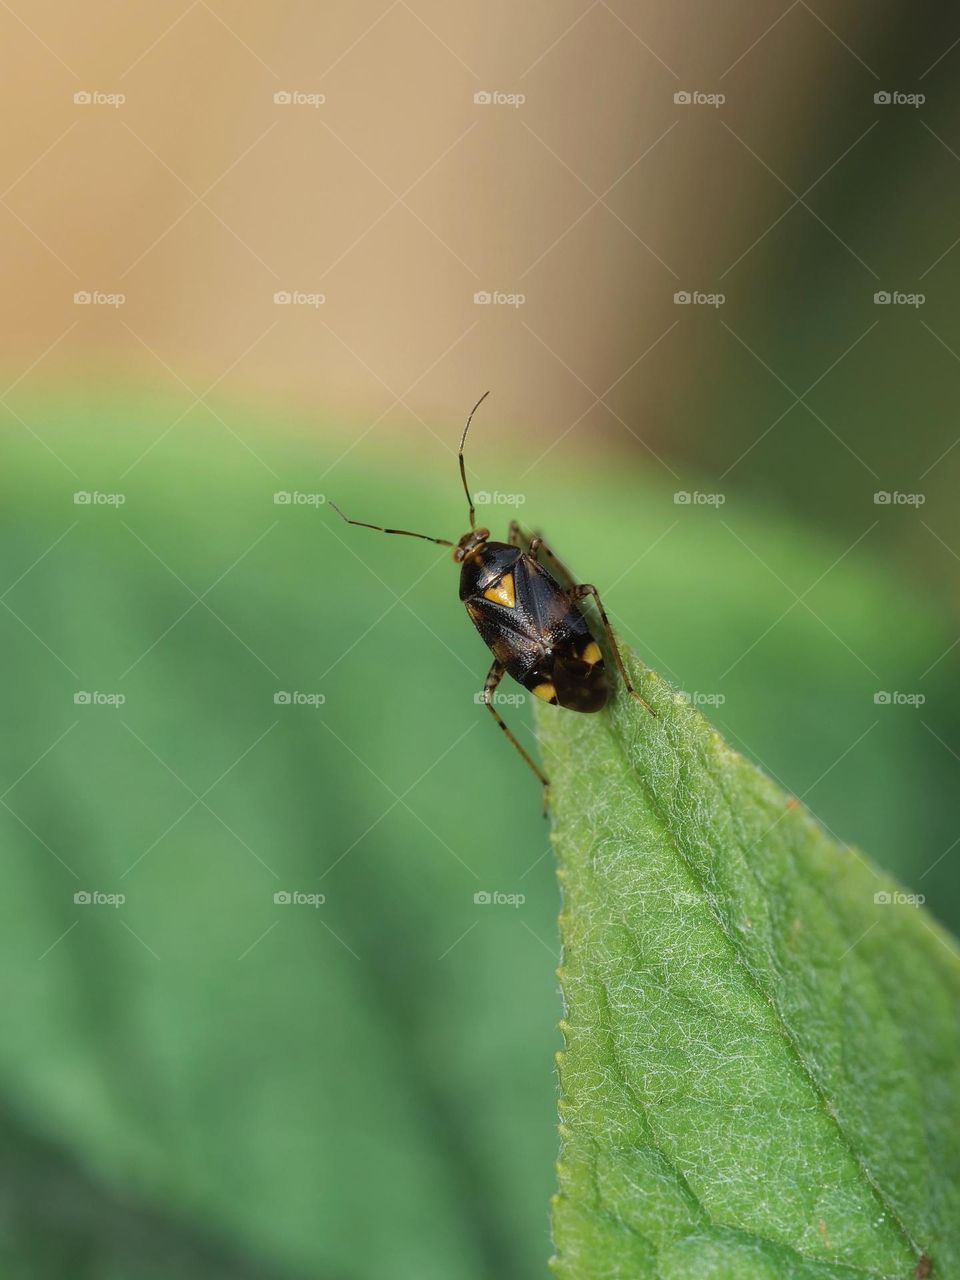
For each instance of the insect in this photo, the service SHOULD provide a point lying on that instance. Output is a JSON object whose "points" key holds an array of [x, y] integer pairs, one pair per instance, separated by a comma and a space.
{"points": [[529, 616]]}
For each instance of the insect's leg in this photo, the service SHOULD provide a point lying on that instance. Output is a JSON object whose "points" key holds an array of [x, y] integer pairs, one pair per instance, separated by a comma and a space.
{"points": [[587, 589], [443, 542], [536, 544], [494, 676], [559, 569]]}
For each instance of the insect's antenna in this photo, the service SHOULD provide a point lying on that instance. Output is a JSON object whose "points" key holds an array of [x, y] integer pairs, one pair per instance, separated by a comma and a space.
{"points": [[406, 533], [463, 471]]}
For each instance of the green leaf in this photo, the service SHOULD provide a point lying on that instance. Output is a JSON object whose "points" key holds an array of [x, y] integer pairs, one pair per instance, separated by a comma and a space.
{"points": [[762, 1065]]}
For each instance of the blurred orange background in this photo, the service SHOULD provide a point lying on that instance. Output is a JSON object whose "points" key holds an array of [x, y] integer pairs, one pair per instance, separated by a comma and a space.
{"points": [[198, 197]]}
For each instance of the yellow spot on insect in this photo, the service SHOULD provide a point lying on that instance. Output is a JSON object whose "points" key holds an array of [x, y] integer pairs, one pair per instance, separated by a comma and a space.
{"points": [[503, 592], [591, 654], [546, 691]]}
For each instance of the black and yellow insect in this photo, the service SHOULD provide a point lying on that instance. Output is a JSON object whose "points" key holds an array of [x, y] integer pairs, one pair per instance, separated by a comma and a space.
{"points": [[529, 617]]}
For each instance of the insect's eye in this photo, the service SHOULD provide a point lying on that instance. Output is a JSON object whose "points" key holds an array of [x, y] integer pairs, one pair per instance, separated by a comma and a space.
{"points": [[458, 553]]}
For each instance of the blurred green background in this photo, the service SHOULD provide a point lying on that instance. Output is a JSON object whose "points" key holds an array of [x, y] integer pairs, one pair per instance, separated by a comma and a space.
{"points": [[362, 1086], [214, 697]]}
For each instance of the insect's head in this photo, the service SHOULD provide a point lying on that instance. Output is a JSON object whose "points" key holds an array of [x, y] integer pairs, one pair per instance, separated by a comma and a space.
{"points": [[470, 543]]}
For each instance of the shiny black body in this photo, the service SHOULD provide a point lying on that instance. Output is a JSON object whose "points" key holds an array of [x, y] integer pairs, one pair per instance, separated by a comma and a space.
{"points": [[529, 618], [542, 640]]}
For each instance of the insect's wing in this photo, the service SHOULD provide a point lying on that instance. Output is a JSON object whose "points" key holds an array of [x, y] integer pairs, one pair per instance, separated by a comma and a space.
{"points": [[545, 601], [571, 674]]}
